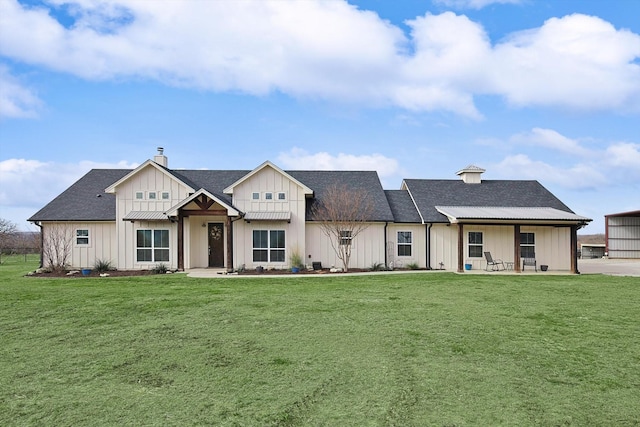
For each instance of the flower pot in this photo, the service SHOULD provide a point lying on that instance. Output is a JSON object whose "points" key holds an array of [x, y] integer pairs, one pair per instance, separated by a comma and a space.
{"points": [[295, 269], [468, 266], [260, 269], [86, 271], [544, 267]]}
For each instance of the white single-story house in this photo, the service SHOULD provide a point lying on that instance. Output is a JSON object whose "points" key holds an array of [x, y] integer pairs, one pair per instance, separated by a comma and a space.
{"points": [[185, 219]]}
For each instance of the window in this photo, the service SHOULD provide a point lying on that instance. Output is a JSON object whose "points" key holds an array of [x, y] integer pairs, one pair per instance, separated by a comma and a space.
{"points": [[268, 245], [82, 237], [345, 237], [139, 195], [527, 245], [255, 196], [475, 244], [268, 196], [282, 196], [152, 195], [165, 195], [152, 245], [404, 243]]}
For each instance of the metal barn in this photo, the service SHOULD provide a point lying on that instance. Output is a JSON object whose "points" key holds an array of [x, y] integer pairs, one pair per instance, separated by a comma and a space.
{"points": [[622, 234]]}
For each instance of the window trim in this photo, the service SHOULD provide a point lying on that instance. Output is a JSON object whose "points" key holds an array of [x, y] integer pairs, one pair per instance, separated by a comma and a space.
{"points": [[268, 195], [154, 247], [152, 195], [162, 195], [78, 237], [528, 245], [475, 244], [269, 247], [139, 195], [255, 195], [346, 238], [281, 196], [404, 244]]}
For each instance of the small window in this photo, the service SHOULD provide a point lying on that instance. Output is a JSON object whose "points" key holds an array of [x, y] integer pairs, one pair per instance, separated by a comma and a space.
{"points": [[255, 196], [282, 196], [152, 195], [82, 237], [139, 195], [165, 195], [345, 237], [404, 243], [268, 196], [527, 245], [475, 244]]}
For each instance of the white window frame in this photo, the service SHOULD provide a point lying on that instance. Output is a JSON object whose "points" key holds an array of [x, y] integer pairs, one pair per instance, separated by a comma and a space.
{"points": [[475, 244], [83, 236], [270, 250], [528, 245], [139, 195], [155, 246], [404, 244], [282, 196], [346, 237], [152, 195], [268, 196], [255, 196], [165, 195]]}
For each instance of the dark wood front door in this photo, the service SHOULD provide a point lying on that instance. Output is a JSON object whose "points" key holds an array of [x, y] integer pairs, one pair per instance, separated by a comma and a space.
{"points": [[216, 244]]}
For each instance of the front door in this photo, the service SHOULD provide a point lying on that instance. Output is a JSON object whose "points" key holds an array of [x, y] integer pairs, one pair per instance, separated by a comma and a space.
{"points": [[216, 244]]}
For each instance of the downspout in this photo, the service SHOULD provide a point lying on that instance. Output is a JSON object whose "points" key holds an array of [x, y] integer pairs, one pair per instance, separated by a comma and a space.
{"points": [[386, 265], [428, 244], [38, 224], [230, 237]]}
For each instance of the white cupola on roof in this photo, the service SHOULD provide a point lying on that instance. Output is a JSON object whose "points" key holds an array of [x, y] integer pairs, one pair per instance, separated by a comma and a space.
{"points": [[160, 158], [472, 174]]}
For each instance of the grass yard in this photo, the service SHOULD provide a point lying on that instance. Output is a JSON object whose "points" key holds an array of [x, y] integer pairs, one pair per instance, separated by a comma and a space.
{"points": [[391, 350]]}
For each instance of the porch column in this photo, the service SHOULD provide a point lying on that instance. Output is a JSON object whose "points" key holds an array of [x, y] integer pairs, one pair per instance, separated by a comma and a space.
{"points": [[516, 249], [180, 241], [460, 248], [229, 244], [574, 249]]}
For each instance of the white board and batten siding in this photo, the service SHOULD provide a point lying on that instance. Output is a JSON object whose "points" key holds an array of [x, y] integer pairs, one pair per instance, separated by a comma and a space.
{"points": [[149, 181], [418, 245], [100, 241], [269, 181]]}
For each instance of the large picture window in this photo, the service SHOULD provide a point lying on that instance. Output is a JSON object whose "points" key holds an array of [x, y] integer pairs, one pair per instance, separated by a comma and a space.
{"points": [[527, 245], [268, 246], [152, 245], [405, 243], [475, 244]]}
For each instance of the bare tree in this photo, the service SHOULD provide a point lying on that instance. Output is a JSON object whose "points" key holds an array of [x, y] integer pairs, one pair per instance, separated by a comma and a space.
{"points": [[8, 231], [57, 246], [343, 213]]}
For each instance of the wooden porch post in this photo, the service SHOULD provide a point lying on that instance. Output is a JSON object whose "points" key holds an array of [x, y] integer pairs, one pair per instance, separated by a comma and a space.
{"points": [[180, 240], [574, 249], [516, 249], [460, 248], [229, 244]]}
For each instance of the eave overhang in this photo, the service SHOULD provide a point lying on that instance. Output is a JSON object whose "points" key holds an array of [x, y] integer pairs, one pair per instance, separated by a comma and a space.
{"points": [[510, 215]]}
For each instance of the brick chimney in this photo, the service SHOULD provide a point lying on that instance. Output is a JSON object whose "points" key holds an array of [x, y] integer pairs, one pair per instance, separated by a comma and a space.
{"points": [[160, 158]]}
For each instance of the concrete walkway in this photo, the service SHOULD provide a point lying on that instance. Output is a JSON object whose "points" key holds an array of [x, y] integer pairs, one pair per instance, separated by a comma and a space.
{"points": [[614, 267]]}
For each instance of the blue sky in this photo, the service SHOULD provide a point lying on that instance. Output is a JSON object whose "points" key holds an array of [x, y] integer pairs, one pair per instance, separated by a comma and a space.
{"points": [[526, 89]]}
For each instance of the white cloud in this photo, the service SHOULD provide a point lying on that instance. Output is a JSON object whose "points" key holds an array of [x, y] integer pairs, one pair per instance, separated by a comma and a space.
{"points": [[16, 101], [474, 4], [576, 177], [332, 51], [23, 180], [300, 159], [624, 155], [552, 139]]}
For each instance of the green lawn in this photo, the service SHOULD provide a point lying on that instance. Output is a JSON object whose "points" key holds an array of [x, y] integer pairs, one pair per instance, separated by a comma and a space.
{"points": [[392, 350]]}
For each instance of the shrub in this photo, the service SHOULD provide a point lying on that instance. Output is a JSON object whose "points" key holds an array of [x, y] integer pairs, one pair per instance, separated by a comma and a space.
{"points": [[160, 268], [377, 266], [413, 266], [102, 266]]}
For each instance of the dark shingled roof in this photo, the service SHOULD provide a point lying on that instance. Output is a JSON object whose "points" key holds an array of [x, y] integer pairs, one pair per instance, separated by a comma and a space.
{"points": [[367, 181], [85, 200], [402, 206], [80, 202], [429, 193]]}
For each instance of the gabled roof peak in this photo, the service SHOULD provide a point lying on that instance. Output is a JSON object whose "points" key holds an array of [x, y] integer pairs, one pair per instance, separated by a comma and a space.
{"points": [[471, 169]]}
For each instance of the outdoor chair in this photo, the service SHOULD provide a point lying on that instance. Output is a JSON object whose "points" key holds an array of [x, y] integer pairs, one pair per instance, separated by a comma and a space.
{"points": [[529, 262], [493, 263]]}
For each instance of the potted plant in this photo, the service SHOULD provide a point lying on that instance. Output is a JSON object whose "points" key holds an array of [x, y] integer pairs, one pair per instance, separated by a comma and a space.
{"points": [[296, 261]]}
